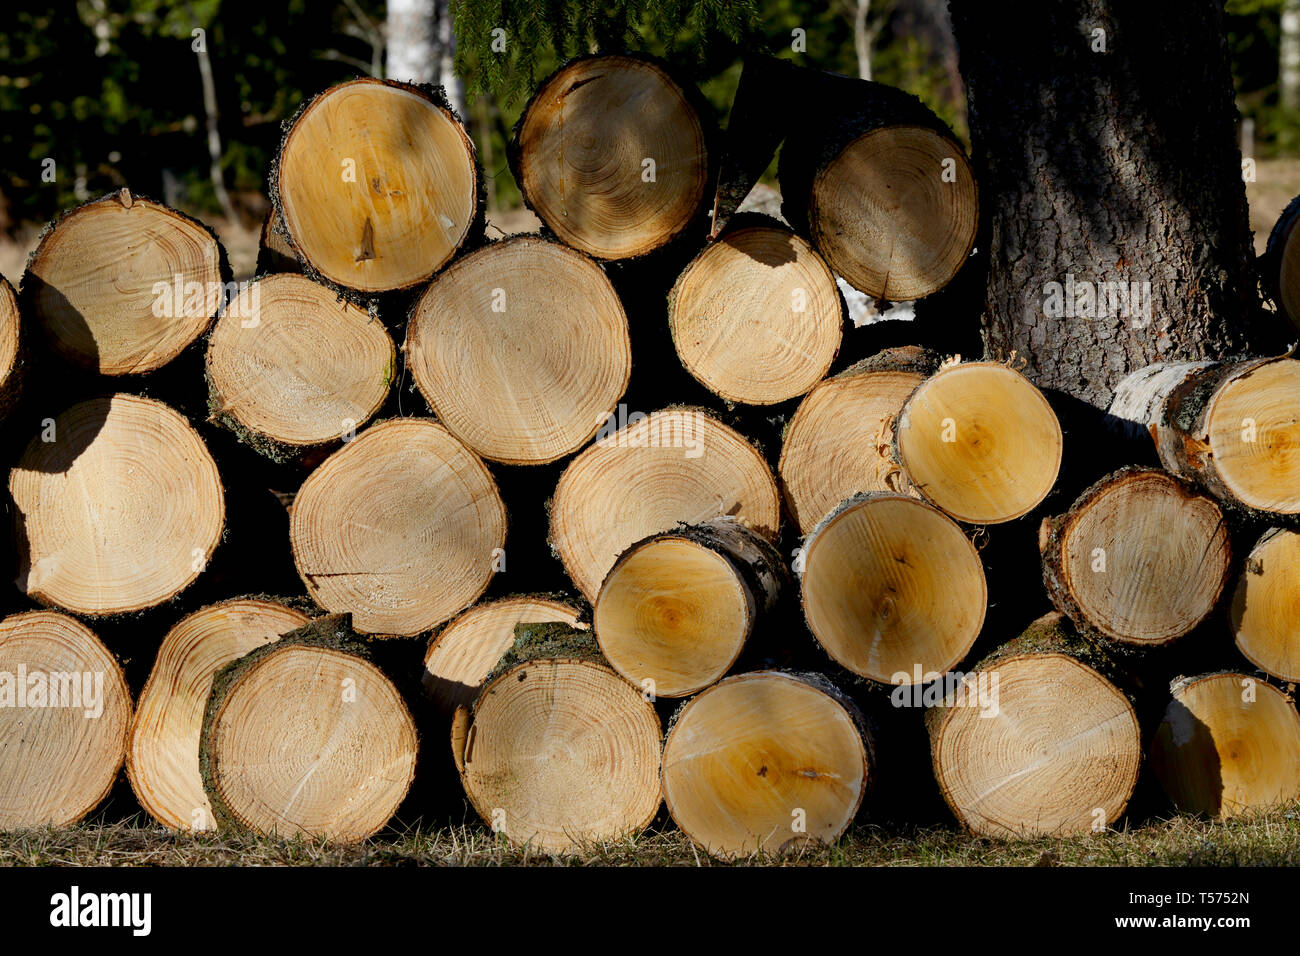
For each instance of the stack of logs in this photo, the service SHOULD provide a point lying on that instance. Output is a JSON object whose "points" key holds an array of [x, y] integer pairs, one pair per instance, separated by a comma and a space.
{"points": [[627, 516]]}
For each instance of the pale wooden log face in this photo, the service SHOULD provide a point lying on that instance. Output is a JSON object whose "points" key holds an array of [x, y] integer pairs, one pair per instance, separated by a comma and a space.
{"points": [[377, 185], [886, 220], [9, 328], [1265, 611], [1254, 435], [1145, 560], [1228, 745], [121, 511], [521, 349], [760, 761], [891, 585], [290, 361], [674, 466], [583, 147], [838, 443], [163, 758], [563, 753], [120, 289], [756, 317], [1058, 755], [316, 741], [675, 614], [57, 762], [402, 528], [468, 649], [980, 442]]}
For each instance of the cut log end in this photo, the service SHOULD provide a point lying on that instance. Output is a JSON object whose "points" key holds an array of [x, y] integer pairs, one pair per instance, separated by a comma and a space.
{"points": [[377, 184], [119, 510], [980, 442], [764, 762], [402, 527], [295, 367], [612, 156], [65, 712], [1254, 436], [673, 466], [1139, 558], [1229, 745], [10, 353], [892, 589], [308, 740], [124, 288], [521, 349], [676, 610], [1265, 611], [756, 317], [562, 754], [895, 212], [464, 653], [163, 758], [1037, 745]]}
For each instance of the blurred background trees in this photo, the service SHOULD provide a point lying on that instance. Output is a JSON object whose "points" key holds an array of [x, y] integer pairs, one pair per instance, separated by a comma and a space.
{"points": [[184, 100]]}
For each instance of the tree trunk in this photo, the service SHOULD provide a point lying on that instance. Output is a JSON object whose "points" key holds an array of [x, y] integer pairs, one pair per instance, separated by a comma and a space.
{"points": [[422, 47], [598, 737], [1095, 168], [677, 609], [1288, 71], [766, 761]]}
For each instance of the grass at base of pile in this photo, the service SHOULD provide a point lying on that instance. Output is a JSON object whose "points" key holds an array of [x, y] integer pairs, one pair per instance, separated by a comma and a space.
{"points": [[1271, 838]]}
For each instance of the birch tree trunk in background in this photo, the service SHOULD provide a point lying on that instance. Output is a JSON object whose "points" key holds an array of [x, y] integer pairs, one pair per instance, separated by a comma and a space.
{"points": [[422, 46], [1288, 74]]}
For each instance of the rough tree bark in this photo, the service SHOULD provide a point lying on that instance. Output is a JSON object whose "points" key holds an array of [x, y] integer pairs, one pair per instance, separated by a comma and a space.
{"points": [[1103, 139]]}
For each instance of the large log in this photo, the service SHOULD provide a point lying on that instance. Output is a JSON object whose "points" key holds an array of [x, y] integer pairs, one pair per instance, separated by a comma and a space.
{"points": [[1229, 745], [123, 284], [118, 506], [402, 528], [558, 752], [1139, 558], [765, 762], [676, 610], [893, 590], [377, 184], [291, 367], [65, 711], [980, 442], [305, 736], [162, 759], [674, 466], [756, 317], [612, 154], [1037, 740], [521, 349], [880, 185], [840, 440], [1230, 427], [1265, 609]]}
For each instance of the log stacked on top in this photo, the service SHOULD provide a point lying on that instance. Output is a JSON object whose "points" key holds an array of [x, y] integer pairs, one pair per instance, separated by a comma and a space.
{"points": [[715, 566]]}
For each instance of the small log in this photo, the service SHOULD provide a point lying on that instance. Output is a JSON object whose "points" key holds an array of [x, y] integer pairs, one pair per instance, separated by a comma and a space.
{"points": [[1265, 610]]}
